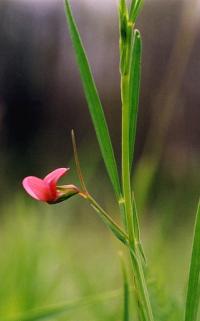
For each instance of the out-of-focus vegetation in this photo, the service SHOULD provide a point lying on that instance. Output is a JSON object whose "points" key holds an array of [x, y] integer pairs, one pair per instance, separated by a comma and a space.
{"points": [[47, 258], [54, 254]]}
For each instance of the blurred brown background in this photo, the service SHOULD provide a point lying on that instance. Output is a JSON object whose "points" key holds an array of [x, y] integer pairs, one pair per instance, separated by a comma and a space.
{"points": [[41, 97]]}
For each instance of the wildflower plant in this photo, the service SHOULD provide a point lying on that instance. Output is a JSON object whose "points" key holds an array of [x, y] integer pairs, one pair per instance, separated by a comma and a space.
{"points": [[128, 232]]}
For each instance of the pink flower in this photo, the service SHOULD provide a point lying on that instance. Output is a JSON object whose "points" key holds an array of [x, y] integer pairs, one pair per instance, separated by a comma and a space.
{"points": [[46, 190]]}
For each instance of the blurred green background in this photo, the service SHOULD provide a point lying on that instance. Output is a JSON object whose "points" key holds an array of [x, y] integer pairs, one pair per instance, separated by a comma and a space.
{"points": [[50, 254]]}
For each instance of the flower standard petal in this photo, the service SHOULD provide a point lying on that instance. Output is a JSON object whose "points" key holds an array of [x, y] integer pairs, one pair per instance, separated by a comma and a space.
{"points": [[55, 175], [52, 178], [37, 188]]}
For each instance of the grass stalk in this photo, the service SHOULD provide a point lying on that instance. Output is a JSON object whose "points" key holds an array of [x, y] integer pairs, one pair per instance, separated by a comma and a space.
{"points": [[131, 218], [139, 279], [125, 160], [126, 44]]}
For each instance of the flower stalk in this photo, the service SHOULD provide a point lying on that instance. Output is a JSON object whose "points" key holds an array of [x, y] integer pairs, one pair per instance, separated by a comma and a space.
{"points": [[111, 224]]}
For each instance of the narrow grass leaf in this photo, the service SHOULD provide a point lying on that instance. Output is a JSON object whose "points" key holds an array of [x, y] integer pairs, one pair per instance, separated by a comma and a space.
{"points": [[192, 301], [132, 6], [110, 223], [124, 37], [134, 89], [135, 9], [53, 311], [94, 104]]}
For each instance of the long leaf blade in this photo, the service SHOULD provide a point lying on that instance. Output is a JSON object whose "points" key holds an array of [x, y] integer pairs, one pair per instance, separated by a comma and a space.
{"points": [[110, 223], [94, 104], [136, 6], [134, 89], [192, 301]]}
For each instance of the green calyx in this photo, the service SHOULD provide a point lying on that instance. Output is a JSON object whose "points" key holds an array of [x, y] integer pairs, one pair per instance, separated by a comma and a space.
{"points": [[65, 192]]}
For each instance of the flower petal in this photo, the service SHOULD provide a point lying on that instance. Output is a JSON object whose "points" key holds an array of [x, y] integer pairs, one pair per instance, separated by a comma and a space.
{"points": [[37, 188], [54, 176]]}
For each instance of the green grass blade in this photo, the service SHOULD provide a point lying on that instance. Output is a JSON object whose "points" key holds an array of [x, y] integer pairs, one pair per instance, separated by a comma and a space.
{"points": [[53, 311], [125, 292], [134, 89], [125, 31], [192, 301], [132, 6], [135, 9], [94, 103]]}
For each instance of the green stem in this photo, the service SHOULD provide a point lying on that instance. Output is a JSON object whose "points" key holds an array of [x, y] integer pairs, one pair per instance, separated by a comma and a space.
{"points": [[141, 284], [125, 159], [130, 211]]}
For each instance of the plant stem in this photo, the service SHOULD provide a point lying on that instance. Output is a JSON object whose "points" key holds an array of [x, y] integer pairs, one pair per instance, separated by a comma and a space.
{"points": [[125, 159], [78, 166], [141, 284], [130, 211]]}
